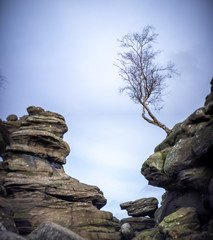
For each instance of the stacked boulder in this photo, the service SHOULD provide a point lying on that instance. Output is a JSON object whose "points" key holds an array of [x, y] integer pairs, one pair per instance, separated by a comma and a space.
{"points": [[142, 216], [182, 164], [33, 182]]}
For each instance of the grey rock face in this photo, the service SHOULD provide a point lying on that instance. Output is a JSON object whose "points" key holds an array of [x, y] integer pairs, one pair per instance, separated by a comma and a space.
{"points": [[6, 216], [127, 231], [139, 224], [141, 207], [6, 235], [180, 223], [53, 231], [182, 164]]}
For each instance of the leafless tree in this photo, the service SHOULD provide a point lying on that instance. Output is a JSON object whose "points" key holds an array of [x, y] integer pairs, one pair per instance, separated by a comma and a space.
{"points": [[144, 78]]}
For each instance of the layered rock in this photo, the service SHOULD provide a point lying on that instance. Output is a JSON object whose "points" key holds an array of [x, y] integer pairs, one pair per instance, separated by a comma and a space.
{"points": [[138, 224], [39, 134], [180, 223], [182, 164], [138, 210], [36, 186], [141, 207]]}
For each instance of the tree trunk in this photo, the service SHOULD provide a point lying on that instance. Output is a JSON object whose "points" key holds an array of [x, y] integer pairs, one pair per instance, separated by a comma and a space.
{"points": [[154, 120]]}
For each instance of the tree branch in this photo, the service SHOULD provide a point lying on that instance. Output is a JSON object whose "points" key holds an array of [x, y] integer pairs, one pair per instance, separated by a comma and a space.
{"points": [[144, 79]]}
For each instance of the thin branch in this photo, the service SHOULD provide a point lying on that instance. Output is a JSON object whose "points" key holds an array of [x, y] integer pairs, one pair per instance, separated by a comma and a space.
{"points": [[144, 79]]}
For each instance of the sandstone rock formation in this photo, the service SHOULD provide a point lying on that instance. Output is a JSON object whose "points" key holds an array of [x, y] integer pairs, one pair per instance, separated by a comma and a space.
{"points": [[49, 230], [182, 164], [180, 223], [35, 189], [138, 224], [138, 209], [34, 183], [141, 207]]}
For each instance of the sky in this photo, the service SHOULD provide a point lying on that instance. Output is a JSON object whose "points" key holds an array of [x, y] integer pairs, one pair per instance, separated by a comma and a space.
{"points": [[59, 55]]}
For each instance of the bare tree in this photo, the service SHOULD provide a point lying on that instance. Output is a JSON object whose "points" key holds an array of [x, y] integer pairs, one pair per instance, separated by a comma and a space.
{"points": [[144, 79]]}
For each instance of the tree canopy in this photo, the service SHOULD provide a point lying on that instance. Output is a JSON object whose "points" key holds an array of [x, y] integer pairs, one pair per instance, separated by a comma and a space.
{"points": [[144, 79]]}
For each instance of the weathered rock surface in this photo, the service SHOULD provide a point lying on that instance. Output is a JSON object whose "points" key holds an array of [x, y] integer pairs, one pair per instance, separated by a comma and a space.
{"points": [[39, 133], [151, 234], [6, 216], [181, 223], [6, 235], [139, 224], [141, 207], [138, 209], [52, 231], [35, 188], [182, 164], [127, 231], [34, 183]]}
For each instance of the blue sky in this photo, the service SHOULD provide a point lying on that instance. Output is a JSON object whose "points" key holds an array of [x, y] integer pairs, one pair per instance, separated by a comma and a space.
{"points": [[59, 55]]}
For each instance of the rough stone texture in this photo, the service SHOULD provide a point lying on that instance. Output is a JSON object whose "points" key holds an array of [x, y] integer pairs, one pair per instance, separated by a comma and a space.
{"points": [[12, 117], [141, 207], [6, 235], [139, 224], [33, 181], [179, 157], [195, 178], [176, 199], [6, 216], [182, 164], [40, 134], [52, 231], [154, 168], [127, 231], [180, 223], [151, 234]]}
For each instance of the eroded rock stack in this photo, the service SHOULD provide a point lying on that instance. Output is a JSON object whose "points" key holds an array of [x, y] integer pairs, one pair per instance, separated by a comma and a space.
{"points": [[35, 191], [34, 184], [183, 165], [142, 216]]}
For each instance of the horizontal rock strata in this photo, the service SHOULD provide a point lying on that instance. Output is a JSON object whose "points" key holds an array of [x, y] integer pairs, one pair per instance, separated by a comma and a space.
{"points": [[138, 209], [34, 183], [141, 207]]}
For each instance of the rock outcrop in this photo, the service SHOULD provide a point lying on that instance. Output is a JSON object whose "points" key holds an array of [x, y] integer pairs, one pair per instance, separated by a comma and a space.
{"points": [[142, 216], [34, 184], [6, 216], [182, 164], [180, 223], [38, 197], [141, 207], [138, 224], [7, 235], [49, 230]]}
